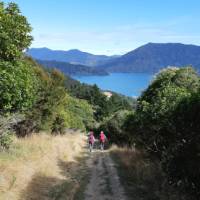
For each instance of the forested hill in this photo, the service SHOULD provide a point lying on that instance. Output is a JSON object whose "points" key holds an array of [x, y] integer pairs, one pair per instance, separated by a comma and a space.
{"points": [[71, 69], [149, 58], [73, 56], [154, 56], [37, 99]]}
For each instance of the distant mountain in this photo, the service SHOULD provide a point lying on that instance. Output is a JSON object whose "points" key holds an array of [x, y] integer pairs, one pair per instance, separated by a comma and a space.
{"points": [[152, 57], [70, 69], [72, 56]]}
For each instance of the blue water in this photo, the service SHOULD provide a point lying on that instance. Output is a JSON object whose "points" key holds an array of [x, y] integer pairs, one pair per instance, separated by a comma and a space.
{"points": [[129, 84]]}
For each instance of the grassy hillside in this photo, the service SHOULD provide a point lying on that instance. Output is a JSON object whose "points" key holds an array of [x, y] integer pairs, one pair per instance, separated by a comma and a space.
{"points": [[42, 167], [160, 130]]}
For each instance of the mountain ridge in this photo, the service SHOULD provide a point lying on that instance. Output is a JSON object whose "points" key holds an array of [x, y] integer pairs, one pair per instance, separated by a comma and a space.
{"points": [[148, 58], [71, 69], [152, 57], [73, 56]]}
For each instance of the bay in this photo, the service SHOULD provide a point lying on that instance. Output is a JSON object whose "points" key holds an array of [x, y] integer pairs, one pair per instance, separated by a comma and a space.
{"points": [[129, 84]]}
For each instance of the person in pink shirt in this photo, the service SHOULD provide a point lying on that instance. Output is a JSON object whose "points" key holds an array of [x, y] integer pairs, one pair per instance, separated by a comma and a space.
{"points": [[91, 140]]}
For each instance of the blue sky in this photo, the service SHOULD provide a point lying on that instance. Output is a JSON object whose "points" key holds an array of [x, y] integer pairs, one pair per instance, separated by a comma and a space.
{"points": [[111, 26]]}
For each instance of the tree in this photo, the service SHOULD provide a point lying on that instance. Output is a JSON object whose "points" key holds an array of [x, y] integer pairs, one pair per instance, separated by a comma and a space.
{"points": [[166, 123], [181, 160], [114, 127], [18, 86], [158, 102], [14, 32]]}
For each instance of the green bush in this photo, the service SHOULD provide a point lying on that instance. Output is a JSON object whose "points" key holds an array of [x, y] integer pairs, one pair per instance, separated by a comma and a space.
{"points": [[181, 161], [166, 123], [18, 86], [6, 139], [158, 103], [73, 113], [114, 128]]}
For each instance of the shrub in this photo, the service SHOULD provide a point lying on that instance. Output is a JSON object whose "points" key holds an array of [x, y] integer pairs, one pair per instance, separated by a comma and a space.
{"points": [[158, 103], [114, 127], [6, 139], [73, 113], [166, 123], [181, 160]]}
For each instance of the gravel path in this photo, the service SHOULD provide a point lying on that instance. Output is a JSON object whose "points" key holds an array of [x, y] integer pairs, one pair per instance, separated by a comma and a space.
{"points": [[104, 183]]}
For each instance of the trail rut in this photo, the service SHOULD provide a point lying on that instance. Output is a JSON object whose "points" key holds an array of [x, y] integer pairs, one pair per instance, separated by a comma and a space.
{"points": [[104, 182]]}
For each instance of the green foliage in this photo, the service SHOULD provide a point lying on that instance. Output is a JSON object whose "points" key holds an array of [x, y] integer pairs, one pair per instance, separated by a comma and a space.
{"points": [[14, 32], [74, 113], [117, 102], [50, 100], [54, 110], [6, 139], [158, 102], [114, 127], [25, 87], [18, 86], [81, 110], [103, 106], [166, 123], [181, 159], [95, 97], [6, 131]]}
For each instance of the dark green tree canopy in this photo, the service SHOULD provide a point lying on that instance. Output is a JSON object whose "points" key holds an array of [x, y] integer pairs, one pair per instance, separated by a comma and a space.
{"points": [[14, 32], [18, 86]]}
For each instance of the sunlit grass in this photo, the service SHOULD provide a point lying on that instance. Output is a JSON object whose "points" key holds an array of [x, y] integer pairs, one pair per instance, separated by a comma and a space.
{"points": [[141, 177], [38, 154]]}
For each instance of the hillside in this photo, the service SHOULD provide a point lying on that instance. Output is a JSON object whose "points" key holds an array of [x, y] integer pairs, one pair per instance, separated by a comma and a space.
{"points": [[149, 58], [24, 176], [154, 56], [152, 145], [73, 56], [71, 69]]}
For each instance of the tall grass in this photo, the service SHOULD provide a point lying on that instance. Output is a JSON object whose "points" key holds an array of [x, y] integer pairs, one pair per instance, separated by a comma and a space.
{"points": [[38, 164], [142, 178], [141, 175]]}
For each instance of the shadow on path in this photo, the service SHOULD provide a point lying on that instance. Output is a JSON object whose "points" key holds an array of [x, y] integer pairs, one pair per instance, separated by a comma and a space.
{"points": [[44, 187]]}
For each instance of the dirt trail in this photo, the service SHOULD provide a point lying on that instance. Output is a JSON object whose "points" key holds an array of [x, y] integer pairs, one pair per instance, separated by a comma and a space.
{"points": [[104, 183]]}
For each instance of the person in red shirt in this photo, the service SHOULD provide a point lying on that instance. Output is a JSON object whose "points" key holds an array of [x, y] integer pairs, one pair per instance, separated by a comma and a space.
{"points": [[102, 139]]}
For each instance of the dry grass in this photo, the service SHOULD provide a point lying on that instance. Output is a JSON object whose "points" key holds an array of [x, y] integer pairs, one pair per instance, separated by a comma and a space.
{"points": [[39, 166], [140, 175]]}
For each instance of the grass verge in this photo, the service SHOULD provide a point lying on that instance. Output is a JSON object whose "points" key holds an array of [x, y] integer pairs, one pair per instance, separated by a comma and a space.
{"points": [[141, 177], [42, 167]]}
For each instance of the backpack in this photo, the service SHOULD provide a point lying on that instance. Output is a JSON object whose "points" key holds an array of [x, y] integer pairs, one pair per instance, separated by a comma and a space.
{"points": [[91, 138]]}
